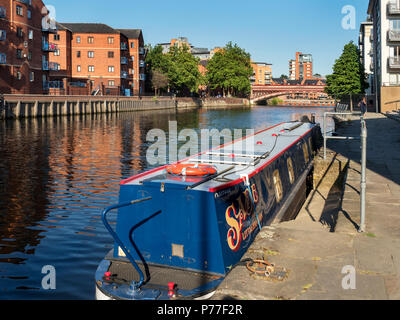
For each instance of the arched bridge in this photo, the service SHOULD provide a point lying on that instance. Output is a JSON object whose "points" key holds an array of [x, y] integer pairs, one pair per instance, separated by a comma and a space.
{"points": [[259, 93]]}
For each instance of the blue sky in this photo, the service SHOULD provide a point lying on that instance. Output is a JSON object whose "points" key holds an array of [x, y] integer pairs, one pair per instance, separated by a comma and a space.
{"points": [[271, 31]]}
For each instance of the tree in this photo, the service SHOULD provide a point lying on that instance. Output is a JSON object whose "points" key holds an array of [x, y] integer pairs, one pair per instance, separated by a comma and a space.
{"points": [[158, 80], [183, 72], [348, 76], [229, 71], [156, 61], [284, 77]]}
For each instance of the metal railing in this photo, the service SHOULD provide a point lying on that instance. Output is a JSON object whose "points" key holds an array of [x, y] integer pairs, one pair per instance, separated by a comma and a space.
{"points": [[135, 286], [394, 62], [363, 139], [394, 35]]}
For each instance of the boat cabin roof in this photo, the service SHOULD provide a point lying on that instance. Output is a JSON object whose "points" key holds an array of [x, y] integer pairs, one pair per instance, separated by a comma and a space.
{"points": [[235, 161]]}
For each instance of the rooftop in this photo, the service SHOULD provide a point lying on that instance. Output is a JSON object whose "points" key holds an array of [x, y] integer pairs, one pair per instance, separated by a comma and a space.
{"points": [[131, 33], [88, 28]]}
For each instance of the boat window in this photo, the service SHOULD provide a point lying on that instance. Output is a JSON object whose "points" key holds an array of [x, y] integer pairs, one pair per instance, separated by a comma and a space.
{"points": [[305, 151], [290, 170], [278, 186]]}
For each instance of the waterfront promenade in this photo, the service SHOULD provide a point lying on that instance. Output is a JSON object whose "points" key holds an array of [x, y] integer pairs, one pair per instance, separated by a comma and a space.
{"points": [[312, 252]]}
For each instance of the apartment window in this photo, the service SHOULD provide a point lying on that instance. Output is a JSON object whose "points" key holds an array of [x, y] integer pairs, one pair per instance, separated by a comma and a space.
{"points": [[32, 76], [133, 58], [57, 52], [19, 54], [111, 69], [19, 32], [78, 54], [91, 68], [29, 55], [78, 68], [132, 45], [111, 83], [111, 54], [19, 75], [56, 37], [30, 34], [90, 54], [78, 39], [3, 35], [110, 40], [20, 11], [29, 14], [90, 40]]}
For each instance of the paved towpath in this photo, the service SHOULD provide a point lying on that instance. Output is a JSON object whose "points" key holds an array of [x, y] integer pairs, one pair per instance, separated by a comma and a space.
{"points": [[316, 252]]}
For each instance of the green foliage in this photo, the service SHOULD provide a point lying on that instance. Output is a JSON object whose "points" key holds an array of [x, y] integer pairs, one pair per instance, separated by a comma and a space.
{"points": [[178, 66], [230, 70], [276, 101], [183, 73], [348, 73]]}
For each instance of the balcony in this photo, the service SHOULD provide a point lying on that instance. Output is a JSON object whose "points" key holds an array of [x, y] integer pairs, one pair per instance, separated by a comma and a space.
{"points": [[142, 76], [393, 8], [142, 64], [50, 30], [124, 46], [124, 75], [49, 26], [394, 35], [45, 65], [394, 62], [3, 12], [124, 60], [141, 50], [49, 47], [53, 84], [54, 66], [3, 58]]}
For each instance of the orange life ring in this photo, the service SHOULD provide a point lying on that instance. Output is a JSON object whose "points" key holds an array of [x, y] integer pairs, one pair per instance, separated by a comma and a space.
{"points": [[191, 169]]}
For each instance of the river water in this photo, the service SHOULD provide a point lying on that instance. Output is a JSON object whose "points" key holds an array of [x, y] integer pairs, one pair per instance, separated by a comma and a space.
{"points": [[56, 176]]}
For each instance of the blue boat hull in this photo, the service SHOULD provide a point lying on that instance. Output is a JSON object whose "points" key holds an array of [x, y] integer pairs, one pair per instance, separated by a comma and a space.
{"points": [[209, 231]]}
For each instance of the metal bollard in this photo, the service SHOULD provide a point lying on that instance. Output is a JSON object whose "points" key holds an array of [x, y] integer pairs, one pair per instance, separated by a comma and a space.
{"points": [[363, 184]]}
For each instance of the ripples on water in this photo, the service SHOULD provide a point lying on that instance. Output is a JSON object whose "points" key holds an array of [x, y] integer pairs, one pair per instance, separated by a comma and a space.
{"points": [[57, 174]]}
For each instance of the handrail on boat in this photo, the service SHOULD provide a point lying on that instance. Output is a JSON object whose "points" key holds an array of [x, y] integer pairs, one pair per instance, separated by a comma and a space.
{"points": [[135, 286]]}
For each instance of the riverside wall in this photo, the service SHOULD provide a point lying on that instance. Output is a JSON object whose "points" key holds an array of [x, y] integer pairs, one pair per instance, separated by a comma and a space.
{"points": [[30, 106]]}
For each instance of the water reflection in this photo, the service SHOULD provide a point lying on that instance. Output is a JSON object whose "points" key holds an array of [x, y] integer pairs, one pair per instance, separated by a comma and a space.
{"points": [[56, 175]]}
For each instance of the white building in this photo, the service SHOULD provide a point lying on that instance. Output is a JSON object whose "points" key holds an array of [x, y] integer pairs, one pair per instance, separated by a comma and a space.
{"points": [[385, 15], [365, 44]]}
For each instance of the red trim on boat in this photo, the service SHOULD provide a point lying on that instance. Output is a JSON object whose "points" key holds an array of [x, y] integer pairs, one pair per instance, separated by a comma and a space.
{"points": [[143, 174], [237, 181]]}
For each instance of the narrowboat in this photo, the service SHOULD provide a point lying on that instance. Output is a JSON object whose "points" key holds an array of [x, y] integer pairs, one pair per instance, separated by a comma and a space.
{"points": [[181, 228]]}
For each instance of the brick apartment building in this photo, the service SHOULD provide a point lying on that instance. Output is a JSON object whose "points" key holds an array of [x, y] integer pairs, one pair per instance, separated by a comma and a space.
{"points": [[24, 47], [302, 67], [136, 63], [97, 59], [262, 73]]}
